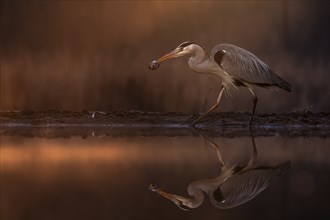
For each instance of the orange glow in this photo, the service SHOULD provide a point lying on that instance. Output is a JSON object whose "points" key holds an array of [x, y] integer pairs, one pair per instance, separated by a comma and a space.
{"points": [[43, 152], [53, 152], [102, 49]]}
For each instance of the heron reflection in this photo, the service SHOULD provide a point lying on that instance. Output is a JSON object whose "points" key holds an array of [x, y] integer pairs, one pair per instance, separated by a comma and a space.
{"points": [[234, 186]]}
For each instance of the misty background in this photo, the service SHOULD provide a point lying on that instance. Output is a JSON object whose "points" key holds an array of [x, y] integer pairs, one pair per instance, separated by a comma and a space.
{"points": [[94, 55]]}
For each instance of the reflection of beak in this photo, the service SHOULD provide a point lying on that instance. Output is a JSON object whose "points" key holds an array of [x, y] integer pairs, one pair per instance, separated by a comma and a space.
{"points": [[167, 195], [175, 53], [155, 188], [177, 200]]}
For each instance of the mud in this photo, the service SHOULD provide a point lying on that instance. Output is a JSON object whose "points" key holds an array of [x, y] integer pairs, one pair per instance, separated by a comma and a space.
{"points": [[52, 123]]}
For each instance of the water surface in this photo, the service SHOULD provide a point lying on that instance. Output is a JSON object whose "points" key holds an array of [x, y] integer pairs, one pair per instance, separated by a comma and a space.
{"points": [[108, 177]]}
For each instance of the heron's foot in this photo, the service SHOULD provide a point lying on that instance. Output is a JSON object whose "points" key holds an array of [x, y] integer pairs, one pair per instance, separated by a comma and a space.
{"points": [[188, 120], [255, 123], [97, 112], [196, 121], [252, 121]]}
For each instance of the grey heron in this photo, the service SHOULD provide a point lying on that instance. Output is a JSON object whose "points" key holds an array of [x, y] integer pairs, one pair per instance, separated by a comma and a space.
{"points": [[234, 186], [235, 66]]}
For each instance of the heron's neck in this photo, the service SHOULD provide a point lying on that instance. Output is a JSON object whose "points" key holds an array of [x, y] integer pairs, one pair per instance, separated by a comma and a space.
{"points": [[199, 60], [198, 55], [209, 185], [197, 196]]}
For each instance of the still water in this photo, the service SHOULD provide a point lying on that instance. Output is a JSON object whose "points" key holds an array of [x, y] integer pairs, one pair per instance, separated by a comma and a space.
{"points": [[147, 177]]}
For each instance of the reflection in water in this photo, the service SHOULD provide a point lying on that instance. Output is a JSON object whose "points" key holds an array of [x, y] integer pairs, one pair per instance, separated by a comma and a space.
{"points": [[234, 186], [106, 178]]}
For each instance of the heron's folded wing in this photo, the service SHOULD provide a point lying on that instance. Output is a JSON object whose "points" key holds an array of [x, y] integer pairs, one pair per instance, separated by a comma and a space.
{"points": [[245, 186], [245, 67]]}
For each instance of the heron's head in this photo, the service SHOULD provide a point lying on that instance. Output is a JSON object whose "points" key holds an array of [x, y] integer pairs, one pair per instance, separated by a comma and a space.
{"points": [[183, 49], [182, 202]]}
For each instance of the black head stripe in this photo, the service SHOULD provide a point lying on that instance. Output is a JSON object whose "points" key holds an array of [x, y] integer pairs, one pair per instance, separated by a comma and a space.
{"points": [[185, 44], [183, 207]]}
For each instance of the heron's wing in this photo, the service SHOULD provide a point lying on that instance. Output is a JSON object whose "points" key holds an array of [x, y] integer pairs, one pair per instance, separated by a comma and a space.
{"points": [[245, 67], [245, 186]]}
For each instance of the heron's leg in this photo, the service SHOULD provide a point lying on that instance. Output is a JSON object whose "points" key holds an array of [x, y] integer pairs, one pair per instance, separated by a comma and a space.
{"points": [[212, 108], [213, 144], [217, 148], [255, 153], [255, 101]]}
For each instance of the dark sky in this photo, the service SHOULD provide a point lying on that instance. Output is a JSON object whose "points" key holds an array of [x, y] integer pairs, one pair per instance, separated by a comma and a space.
{"points": [[78, 55]]}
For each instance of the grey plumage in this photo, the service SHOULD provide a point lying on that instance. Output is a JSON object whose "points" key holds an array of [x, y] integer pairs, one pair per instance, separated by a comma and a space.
{"points": [[245, 185], [234, 186], [235, 66], [245, 67]]}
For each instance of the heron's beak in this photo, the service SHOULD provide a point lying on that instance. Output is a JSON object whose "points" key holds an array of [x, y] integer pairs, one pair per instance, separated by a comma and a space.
{"points": [[166, 195], [171, 197], [173, 54], [177, 200]]}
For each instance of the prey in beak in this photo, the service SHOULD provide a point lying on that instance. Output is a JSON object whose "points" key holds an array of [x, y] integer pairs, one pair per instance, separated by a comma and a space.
{"points": [[177, 52]]}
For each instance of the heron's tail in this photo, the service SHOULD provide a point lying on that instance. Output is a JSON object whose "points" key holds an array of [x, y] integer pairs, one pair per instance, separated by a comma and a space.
{"points": [[285, 85], [283, 168], [281, 83]]}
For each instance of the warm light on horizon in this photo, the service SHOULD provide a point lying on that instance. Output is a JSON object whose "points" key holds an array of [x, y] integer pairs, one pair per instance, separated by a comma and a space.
{"points": [[96, 53]]}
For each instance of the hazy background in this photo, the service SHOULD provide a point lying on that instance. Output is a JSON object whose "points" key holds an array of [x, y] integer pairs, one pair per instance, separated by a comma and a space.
{"points": [[75, 55]]}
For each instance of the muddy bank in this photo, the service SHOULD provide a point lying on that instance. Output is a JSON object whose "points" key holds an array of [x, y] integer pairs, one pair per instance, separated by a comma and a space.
{"points": [[51, 124]]}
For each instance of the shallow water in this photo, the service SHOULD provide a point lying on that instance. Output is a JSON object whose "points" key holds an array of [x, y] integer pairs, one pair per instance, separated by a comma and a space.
{"points": [[108, 177]]}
